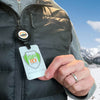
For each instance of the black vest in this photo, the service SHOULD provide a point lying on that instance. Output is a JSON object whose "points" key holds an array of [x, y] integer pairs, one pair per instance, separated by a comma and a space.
{"points": [[50, 29]]}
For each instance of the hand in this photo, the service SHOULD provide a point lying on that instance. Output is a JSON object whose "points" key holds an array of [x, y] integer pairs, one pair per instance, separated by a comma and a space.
{"points": [[62, 69]]}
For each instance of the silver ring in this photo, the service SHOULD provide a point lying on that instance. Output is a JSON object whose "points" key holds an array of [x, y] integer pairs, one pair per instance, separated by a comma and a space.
{"points": [[75, 77]]}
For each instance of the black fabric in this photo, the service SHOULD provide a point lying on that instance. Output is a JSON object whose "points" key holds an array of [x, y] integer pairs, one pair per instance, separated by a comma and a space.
{"points": [[50, 29]]}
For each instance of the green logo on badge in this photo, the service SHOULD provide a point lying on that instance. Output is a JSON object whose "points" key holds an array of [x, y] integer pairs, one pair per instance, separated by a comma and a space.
{"points": [[32, 59]]}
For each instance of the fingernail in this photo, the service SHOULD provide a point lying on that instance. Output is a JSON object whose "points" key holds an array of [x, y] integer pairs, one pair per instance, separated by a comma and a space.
{"points": [[47, 75]]}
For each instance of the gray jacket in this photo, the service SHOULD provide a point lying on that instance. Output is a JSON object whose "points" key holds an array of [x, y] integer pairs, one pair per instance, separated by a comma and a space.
{"points": [[74, 47]]}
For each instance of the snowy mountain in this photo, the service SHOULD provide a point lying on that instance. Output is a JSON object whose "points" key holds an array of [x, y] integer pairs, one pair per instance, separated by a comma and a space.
{"points": [[91, 55]]}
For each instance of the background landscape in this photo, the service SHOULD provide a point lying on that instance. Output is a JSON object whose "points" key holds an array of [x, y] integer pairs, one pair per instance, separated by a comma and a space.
{"points": [[85, 17]]}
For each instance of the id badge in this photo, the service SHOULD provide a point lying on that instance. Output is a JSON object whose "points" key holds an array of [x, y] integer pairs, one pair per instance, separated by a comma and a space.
{"points": [[33, 62]]}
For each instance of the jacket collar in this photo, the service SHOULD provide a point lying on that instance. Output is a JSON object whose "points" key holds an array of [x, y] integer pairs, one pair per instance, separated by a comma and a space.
{"points": [[40, 2]]}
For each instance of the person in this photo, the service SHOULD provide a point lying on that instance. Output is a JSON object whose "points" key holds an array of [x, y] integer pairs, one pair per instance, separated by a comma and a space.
{"points": [[52, 30]]}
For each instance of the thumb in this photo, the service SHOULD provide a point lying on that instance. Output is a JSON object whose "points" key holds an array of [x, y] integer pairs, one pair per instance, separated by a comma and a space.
{"points": [[47, 76]]}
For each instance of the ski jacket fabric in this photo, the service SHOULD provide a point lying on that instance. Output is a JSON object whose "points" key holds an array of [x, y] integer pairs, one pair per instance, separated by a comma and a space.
{"points": [[51, 30]]}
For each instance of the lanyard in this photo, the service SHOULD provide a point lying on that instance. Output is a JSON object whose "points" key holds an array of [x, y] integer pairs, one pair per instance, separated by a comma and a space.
{"points": [[22, 34]]}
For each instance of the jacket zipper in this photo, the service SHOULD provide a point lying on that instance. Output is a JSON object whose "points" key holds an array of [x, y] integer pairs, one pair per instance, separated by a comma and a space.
{"points": [[17, 80], [19, 83]]}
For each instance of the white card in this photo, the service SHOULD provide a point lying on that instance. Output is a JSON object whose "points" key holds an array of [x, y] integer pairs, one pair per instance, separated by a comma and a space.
{"points": [[33, 62]]}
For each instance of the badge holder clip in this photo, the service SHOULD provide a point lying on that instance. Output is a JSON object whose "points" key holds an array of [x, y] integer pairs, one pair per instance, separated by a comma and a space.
{"points": [[24, 37]]}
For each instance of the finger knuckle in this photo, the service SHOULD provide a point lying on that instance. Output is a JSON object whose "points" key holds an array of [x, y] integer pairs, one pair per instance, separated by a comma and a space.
{"points": [[81, 63], [90, 81], [86, 71], [72, 91], [68, 80], [61, 71], [75, 88], [71, 56], [58, 58]]}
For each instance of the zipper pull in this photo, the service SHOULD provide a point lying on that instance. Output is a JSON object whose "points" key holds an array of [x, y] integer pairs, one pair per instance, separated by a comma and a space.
{"points": [[18, 22]]}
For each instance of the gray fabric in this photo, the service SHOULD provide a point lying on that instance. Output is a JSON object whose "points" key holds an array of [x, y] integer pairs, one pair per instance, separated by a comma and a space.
{"points": [[14, 4], [75, 46], [24, 3]]}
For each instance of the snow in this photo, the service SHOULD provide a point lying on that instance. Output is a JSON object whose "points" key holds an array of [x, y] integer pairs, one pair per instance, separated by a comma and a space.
{"points": [[96, 74], [91, 55], [91, 51]]}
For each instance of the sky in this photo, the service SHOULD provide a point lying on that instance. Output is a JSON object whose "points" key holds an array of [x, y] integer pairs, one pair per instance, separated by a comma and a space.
{"points": [[85, 16]]}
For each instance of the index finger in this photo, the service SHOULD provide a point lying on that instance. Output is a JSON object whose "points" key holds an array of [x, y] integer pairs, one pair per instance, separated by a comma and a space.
{"points": [[56, 63]]}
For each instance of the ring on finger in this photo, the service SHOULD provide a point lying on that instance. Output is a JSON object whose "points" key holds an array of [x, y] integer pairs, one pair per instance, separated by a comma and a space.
{"points": [[75, 77]]}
